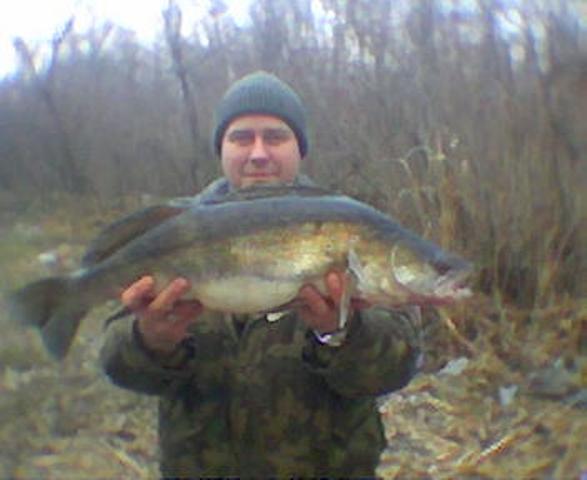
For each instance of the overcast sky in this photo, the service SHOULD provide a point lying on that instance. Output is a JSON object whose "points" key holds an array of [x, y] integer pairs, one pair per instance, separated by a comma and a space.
{"points": [[37, 20]]}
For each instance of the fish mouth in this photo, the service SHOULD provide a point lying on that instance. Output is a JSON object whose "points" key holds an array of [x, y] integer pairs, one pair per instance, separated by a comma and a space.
{"points": [[452, 286], [432, 288]]}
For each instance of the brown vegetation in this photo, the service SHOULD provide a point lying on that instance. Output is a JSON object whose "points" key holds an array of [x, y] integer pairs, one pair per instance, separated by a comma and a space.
{"points": [[466, 122]]}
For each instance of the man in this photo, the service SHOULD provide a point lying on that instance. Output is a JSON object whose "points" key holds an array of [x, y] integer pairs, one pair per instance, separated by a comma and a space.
{"points": [[252, 395]]}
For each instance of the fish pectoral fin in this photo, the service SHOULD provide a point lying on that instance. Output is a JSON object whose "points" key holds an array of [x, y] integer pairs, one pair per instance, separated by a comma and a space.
{"points": [[355, 267], [354, 278], [121, 232], [350, 284]]}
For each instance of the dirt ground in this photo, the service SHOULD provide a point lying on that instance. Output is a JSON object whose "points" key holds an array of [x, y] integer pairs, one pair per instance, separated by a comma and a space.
{"points": [[503, 392]]}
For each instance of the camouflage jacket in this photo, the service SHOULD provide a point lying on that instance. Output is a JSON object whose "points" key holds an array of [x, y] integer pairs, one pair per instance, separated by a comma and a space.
{"points": [[258, 398]]}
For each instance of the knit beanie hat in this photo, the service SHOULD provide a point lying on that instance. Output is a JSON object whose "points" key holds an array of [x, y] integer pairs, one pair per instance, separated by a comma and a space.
{"points": [[261, 93]]}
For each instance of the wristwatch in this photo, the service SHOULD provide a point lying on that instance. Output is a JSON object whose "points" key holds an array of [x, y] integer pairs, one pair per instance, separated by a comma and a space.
{"points": [[332, 339]]}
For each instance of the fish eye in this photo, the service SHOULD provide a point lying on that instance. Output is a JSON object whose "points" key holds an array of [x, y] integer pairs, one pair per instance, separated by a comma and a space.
{"points": [[442, 267]]}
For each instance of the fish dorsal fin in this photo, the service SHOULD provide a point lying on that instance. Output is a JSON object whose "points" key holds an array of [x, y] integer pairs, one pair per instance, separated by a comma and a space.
{"points": [[119, 233]]}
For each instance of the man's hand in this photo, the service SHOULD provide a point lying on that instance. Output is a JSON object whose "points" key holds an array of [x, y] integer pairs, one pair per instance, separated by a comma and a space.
{"points": [[163, 317], [321, 313]]}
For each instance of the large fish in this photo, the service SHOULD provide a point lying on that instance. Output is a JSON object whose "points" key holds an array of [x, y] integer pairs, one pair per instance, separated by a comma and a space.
{"points": [[248, 252]]}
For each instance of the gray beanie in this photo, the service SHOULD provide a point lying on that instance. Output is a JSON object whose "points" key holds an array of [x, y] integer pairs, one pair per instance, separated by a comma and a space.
{"points": [[263, 93]]}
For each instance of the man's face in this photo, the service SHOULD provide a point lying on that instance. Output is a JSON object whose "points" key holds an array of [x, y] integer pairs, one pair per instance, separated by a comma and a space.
{"points": [[259, 149]]}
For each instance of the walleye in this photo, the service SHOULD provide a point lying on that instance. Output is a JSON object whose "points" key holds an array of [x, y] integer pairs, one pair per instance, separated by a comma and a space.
{"points": [[248, 252]]}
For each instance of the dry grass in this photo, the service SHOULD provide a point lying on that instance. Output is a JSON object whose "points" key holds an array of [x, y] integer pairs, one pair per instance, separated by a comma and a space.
{"points": [[510, 411]]}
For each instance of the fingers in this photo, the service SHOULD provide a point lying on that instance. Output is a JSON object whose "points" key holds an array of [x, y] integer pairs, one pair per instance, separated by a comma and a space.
{"points": [[324, 304], [142, 296], [163, 317], [166, 299], [321, 312], [139, 294], [314, 301], [336, 283]]}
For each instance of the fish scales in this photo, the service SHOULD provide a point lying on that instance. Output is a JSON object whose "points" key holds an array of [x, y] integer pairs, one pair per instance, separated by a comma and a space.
{"points": [[199, 233], [274, 265]]}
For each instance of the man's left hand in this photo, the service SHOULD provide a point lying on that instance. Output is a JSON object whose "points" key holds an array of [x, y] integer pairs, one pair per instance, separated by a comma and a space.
{"points": [[321, 312]]}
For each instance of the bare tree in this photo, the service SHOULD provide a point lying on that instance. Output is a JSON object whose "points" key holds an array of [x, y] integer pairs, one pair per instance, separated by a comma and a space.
{"points": [[172, 17], [69, 170]]}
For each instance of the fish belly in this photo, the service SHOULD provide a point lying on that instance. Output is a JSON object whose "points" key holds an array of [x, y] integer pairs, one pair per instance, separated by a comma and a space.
{"points": [[246, 293]]}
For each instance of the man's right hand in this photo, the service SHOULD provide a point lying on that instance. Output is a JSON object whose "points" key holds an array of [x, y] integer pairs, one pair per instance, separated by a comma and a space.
{"points": [[163, 317]]}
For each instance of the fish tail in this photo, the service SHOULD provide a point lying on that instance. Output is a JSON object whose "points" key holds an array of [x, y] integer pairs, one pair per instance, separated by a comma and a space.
{"points": [[51, 306]]}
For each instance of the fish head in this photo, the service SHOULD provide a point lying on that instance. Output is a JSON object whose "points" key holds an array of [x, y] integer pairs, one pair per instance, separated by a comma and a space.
{"points": [[428, 275], [409, 273]]}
